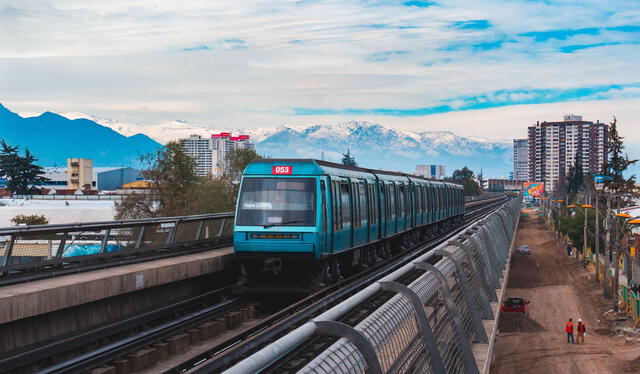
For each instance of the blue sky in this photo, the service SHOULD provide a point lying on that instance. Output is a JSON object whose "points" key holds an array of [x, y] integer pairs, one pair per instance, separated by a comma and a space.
{"points": [[482, 69]]}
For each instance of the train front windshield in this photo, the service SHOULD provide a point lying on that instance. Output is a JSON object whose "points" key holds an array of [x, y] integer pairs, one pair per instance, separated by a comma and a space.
{"points": [[277, 202]]}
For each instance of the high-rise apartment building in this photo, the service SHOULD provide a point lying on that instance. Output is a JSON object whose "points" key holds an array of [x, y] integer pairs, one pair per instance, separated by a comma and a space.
{"points": [[431, 171], [211, 153], [79, 173], [521, 159], [556, 146]]}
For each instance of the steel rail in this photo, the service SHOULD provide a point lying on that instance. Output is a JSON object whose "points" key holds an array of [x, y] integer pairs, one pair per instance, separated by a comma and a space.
{"points": [[27, 356]]}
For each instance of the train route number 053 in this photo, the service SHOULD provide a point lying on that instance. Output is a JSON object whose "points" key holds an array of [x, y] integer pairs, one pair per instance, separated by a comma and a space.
{"points": [[281, 169]]}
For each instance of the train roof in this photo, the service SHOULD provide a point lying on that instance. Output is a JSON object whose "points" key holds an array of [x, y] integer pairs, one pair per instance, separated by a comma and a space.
{"points": [[321, 163]]}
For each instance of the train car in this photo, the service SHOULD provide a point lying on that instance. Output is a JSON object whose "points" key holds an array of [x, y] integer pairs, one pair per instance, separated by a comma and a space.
{"points": [[310, 220]]}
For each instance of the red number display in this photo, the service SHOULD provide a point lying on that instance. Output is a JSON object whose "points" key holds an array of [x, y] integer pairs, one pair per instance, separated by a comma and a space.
{"points": [[281, 169]]}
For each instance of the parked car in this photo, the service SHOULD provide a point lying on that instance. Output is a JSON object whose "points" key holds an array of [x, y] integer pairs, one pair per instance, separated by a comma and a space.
{"points": [[515, 305], [524, 249]]}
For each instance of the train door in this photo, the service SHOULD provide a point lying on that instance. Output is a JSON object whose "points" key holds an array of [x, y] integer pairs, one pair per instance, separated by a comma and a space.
{"points": [[325, 225], [341, 213], [374, 225], [360, 227]]}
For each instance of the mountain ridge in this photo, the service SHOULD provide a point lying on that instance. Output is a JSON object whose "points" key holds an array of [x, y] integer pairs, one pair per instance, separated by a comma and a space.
{"points": [[372, 144], [52, 138]]}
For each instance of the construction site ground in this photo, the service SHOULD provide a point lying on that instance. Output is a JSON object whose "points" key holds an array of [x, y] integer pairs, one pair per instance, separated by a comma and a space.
{"points": [[558, 287]]}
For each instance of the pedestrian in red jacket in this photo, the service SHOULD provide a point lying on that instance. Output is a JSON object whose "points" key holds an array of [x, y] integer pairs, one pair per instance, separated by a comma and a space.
{"points": [[569, 330]]}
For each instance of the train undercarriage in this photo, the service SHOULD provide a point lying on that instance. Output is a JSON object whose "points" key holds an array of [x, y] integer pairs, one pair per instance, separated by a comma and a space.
{"points": [[306, 274]]}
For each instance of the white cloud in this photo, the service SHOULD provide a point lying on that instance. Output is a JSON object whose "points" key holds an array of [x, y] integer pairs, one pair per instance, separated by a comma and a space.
{"points": [[225, 64]]}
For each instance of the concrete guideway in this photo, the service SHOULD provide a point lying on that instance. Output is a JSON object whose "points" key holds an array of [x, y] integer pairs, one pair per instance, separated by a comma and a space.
{"points": [[559, 289], [25, 300], [441, 322]]}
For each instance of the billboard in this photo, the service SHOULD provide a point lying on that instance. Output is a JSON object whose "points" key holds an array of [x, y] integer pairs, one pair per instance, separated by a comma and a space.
{"points": [[532, 190]]}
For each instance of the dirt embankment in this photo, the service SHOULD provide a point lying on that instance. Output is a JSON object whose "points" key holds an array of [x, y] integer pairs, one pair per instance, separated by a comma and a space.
{"points": [[559, 288]]}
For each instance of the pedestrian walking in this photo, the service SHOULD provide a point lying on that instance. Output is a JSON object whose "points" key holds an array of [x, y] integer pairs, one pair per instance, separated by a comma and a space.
{"points": [[582, 331], [569, 330], [569, 251]]}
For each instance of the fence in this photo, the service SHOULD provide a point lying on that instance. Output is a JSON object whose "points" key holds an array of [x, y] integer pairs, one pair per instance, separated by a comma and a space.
{"points": [[429, 326], [32, 246]]}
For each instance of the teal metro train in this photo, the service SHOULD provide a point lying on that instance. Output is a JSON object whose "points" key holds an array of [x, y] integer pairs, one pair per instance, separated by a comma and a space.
{"points": [[303, 220]]}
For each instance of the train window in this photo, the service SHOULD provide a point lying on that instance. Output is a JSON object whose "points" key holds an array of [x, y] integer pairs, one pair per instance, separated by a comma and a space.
{"points": [[335, 205], [392, 201], [362, 192], [277, 202], [400, 199], [354, 201], [424, 199], [345, 204], [373, 204]]}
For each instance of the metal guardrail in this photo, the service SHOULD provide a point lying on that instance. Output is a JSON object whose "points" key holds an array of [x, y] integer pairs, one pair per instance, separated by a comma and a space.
{"points": [[484, 196], [28, 247], [429, 326]]}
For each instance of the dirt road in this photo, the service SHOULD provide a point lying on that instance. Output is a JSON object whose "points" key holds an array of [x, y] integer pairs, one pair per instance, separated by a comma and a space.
{"points": [[558, 289]]}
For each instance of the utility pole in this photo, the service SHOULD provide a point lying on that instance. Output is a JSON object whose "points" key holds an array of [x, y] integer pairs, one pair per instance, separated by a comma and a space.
{"points": [[607, 250], [616, 261], [585, 239], [597, 244]]}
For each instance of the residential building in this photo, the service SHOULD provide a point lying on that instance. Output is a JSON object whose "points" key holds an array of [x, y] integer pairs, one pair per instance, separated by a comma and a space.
{"points": [[113, 179], [521, 159], [556, 146], [431, 171], [211, 153], [79, 173]]}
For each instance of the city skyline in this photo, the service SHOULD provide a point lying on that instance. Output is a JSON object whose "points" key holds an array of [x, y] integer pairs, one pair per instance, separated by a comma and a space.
{"points": [[481, 70]]}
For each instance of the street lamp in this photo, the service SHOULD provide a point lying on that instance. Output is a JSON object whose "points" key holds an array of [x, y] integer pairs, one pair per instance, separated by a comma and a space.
{"points": [[619, 228], [585, 232]]}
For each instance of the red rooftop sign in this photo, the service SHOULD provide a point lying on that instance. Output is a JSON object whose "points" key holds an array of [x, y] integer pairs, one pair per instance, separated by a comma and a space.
{"points": [[281, 170]]}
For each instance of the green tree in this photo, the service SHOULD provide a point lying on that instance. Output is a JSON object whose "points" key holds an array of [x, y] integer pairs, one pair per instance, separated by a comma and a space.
{"points": [[574, 180], [464, 177], [238, 160], [175, 188], [22, 173], [348, 160], [573, 227], [171, 173], [617, 163], [21, 219]]}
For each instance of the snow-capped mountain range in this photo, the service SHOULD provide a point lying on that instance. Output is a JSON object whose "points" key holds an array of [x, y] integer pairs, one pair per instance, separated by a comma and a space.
{"points": [[372, 145]]}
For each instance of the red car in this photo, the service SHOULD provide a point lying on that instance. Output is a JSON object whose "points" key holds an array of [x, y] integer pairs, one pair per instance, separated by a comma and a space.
{"points": [[515, 305]]}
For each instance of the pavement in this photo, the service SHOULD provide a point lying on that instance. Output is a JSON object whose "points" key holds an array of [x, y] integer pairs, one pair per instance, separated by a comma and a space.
{"points": [[558, 288]]}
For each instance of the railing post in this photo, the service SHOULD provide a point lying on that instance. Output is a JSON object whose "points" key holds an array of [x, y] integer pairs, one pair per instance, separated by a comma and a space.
{"points": [[466, 292], [486, 277], [467, 354], [199, 230], [429, 340], [140, 237], [172, 234], [221, 230], [105, 240], [63, 241], [355, 337], [6, 259], [485, 305]]}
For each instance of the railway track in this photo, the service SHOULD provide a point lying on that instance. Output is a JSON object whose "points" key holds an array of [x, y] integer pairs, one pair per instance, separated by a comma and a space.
{"points": [[250, 340], [132, 344]]}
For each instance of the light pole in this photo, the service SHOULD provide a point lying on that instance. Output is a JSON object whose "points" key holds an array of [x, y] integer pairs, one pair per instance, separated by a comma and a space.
{"points": [[616, 256], [606, 290], [585, 229]]}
